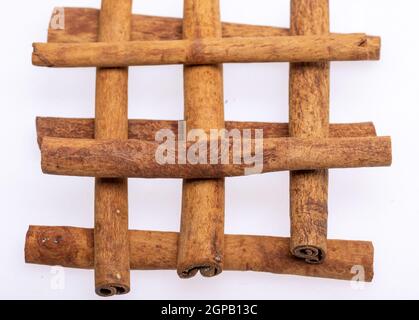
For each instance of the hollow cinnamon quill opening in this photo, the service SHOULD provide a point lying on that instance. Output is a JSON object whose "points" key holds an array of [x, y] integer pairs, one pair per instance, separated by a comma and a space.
{"points": [[206, 270], [112, 290], [310, 254]]}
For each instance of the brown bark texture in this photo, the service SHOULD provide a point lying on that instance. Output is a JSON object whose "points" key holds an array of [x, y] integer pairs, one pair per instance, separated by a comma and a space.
{"points": [[206, 51], [113, 148], [112, 269], [136, 158], [150, 250], [81, 25], [201, 239], [140, 129], [309, 118]]}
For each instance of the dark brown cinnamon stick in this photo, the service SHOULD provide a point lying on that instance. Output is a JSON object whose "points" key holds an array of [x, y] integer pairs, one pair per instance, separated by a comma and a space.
{"points": [[208, 51], [112, 269], [136, 158], [73, 248], [201, 239], [81, 25], [309, 118], [147, 129]]}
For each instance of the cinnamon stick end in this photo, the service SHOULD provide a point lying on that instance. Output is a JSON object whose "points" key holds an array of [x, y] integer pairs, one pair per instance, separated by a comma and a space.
{"points": [[38, 131], [36, 57], [369, 275], [110, 290], [390, 151], [311, 254], [28, 251], [207, 270], [371, 127], [373, 45]]}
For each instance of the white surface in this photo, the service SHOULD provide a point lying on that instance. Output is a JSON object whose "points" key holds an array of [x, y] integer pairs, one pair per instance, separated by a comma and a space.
{"points": [[368, 204]]}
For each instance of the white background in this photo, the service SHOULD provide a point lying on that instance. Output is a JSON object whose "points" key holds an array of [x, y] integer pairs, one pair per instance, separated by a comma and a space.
{"points": [[380, 205]]}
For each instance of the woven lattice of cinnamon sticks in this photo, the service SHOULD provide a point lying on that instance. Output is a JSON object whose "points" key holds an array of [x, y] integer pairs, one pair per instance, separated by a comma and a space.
{"points": [[112, 148]]}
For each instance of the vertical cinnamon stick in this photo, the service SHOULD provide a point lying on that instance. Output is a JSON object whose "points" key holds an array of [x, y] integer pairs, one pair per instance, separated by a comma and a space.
{"points": [[111, 254], [309, 117], [201, 240]]}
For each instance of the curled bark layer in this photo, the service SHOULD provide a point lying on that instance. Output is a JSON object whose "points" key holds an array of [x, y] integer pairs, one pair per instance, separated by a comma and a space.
{"points": [[150, 250]]}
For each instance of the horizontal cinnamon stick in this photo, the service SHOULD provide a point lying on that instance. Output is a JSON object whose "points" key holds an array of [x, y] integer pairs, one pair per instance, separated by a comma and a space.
{"points": [[81, 25], [150, 250], [147, 129], [136, 158], [208, 51]]}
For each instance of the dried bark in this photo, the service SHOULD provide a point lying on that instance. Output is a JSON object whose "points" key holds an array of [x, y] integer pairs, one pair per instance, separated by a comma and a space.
{"points": [[208, 51], [112, 269], [136, 158], [201, 240], [150, 250], [81, 25], [147, 129], [309, 118], [308, 146]]}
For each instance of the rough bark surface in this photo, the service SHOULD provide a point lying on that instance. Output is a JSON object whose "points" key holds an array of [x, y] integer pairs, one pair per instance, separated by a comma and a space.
{"points": [[136, 158], [147, 129], [208, 51], [201, 240], [150, 250], [112, 148], [112, 271], [81, 25], [309, 118]]}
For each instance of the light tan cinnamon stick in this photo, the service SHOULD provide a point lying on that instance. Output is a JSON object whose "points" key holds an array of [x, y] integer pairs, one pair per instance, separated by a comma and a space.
{"points": [[136, 158], [150, 250], [208, 51], [147, 129], [81, 25], [112, 269], [201, 239], [309, 118]]}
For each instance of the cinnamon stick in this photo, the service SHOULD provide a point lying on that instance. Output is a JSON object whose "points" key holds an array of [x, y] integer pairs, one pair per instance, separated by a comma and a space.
{"points": [[81, 25], [309, 118], [147, 129], [150, 250], [208, 51], [137, 158], [112, 268], [201, 239]]}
